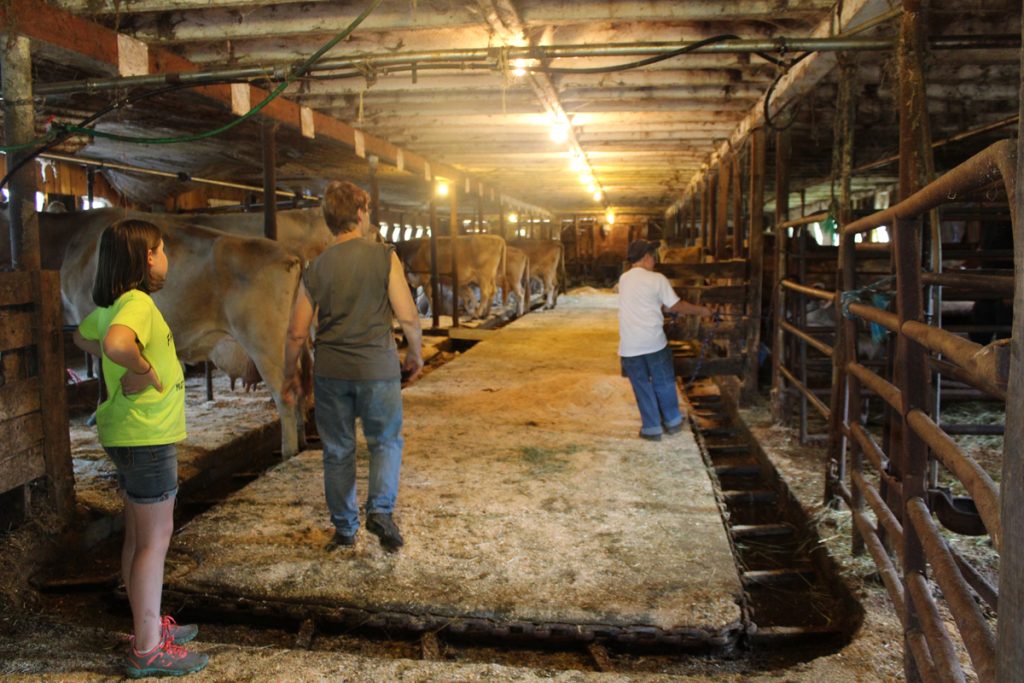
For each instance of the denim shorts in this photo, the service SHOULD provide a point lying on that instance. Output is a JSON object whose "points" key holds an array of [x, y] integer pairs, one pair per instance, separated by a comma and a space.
{"points": [[146, 474]]}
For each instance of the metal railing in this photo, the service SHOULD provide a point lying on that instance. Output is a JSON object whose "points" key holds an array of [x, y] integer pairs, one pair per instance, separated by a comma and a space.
{"points": [[892, 482]]}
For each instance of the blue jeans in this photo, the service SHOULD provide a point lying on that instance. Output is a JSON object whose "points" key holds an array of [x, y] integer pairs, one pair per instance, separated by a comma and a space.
{"points": [[654, 384], [379, 405]]}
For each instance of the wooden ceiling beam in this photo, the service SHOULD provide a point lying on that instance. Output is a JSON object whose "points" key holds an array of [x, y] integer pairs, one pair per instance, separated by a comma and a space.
{"points": [[52, 26]]}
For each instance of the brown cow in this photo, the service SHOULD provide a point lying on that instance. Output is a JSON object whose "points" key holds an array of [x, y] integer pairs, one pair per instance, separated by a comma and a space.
{"points": [[671, 254], [517, 279], [547, 262], [303, 231], [218, 285], [481, 259]]}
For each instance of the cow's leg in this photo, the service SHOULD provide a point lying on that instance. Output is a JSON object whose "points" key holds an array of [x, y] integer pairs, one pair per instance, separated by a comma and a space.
{"points": [[487, 291], [549, 294]]}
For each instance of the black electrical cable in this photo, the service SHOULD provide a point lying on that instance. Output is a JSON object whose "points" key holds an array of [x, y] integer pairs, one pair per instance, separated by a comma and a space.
{"points": [[771, 89], [650, 60]]}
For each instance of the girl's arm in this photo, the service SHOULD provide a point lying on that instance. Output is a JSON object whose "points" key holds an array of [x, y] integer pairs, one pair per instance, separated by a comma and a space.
{"points": [[120, 346], [90, 346]]}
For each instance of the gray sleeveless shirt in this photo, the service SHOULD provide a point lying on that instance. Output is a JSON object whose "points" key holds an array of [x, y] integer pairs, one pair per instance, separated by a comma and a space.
{"points": [[348, 284]]}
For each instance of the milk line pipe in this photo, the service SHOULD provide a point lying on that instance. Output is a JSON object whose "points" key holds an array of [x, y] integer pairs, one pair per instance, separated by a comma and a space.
{"points": [[537, 52]]}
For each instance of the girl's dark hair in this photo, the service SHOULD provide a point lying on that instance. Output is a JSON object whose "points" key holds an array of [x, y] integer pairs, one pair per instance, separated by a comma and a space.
{"points": [[123, 260]]}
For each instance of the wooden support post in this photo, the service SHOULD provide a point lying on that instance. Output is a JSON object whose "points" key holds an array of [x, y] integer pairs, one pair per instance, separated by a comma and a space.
{"points": [[722, 211], [54, 407], [435, 283], [756, 241], [778, 392], [910, 375], [501, 223], [453, 229], [479, 214], [208, 375], [19, 128], [372, 162], [737, 209], [576, 238], [693, 236], [268, 143], [1010, 629], [840, 396], [704, 241]]}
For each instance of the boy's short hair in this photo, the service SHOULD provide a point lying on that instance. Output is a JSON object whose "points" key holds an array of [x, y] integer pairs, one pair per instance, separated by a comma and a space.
{"points": [[123, 262], [342, 202]]}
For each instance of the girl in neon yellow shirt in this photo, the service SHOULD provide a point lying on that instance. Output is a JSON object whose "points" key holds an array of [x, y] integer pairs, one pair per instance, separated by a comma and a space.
{"points": [[139, 425]]}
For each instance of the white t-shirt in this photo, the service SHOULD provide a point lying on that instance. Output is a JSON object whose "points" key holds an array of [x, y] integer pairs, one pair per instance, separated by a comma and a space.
{"points": [[642, 293]]}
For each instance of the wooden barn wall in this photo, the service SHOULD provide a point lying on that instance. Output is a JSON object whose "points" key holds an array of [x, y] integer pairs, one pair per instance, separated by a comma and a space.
{"points": [[33, 410]]}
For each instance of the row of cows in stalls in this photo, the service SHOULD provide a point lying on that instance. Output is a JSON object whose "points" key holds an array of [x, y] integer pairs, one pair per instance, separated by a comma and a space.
{"points": [[229, 291]]}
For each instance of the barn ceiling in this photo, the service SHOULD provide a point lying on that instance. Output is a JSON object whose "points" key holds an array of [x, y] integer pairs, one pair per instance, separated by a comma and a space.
{"points": [[439, 78]]}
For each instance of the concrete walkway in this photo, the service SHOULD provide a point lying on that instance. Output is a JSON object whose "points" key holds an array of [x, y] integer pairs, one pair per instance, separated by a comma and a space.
{"points": [[526, 498]]}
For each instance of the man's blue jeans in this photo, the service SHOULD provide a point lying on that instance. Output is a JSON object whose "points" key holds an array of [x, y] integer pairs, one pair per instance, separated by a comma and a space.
{"points": [[378, 404], [654, 385]]}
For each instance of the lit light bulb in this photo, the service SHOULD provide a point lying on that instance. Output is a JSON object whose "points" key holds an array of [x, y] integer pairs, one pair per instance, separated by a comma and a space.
{"points": [[598, 196], [518, 68], [609, 217], [442, 188], [576, 164], [513, 217], [591, 188], [559, 134]]}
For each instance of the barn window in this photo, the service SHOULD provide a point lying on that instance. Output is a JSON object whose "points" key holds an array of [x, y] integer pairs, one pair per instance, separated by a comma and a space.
{"points": [[408, 232], [97, 203], [383, 230], [419, 231]]}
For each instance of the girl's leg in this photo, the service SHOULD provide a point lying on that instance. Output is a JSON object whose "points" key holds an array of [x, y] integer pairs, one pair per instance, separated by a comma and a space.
{"points": [[154, 523], [128, 548]]}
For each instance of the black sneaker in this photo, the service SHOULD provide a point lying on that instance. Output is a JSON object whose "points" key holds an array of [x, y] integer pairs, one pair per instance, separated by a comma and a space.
{"points": [[650, 437], [383, 527], [674, 430], [340, 540]]}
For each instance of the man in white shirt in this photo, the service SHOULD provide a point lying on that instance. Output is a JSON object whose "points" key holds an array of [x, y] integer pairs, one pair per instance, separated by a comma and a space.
{"points": [[644, 298]]}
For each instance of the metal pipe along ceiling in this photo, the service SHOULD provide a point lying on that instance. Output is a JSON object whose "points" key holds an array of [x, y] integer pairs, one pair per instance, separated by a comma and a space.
{"points": [[424, 58]]}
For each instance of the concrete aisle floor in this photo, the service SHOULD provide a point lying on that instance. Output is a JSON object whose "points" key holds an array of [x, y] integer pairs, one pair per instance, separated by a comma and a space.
{"points": [[526, 496]]}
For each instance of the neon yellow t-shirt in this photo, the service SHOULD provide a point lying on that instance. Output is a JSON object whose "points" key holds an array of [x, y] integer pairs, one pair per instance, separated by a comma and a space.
{"points": [[150, 417]]}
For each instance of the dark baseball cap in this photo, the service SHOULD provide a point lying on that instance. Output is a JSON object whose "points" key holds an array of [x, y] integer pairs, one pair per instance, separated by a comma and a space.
{"points": [[640, 248]]}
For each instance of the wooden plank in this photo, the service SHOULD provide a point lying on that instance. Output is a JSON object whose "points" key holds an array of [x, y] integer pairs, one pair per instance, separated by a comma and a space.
{"points": [[15, 329], [56, 442], [470, 333], [15, 289], [725, 294], [17, 469], [19, 397], [718, 269], [23, 432], [686, 367]]}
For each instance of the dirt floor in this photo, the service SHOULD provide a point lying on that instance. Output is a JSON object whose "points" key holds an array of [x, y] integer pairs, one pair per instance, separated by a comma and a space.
{"points": [[39, 642]]}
